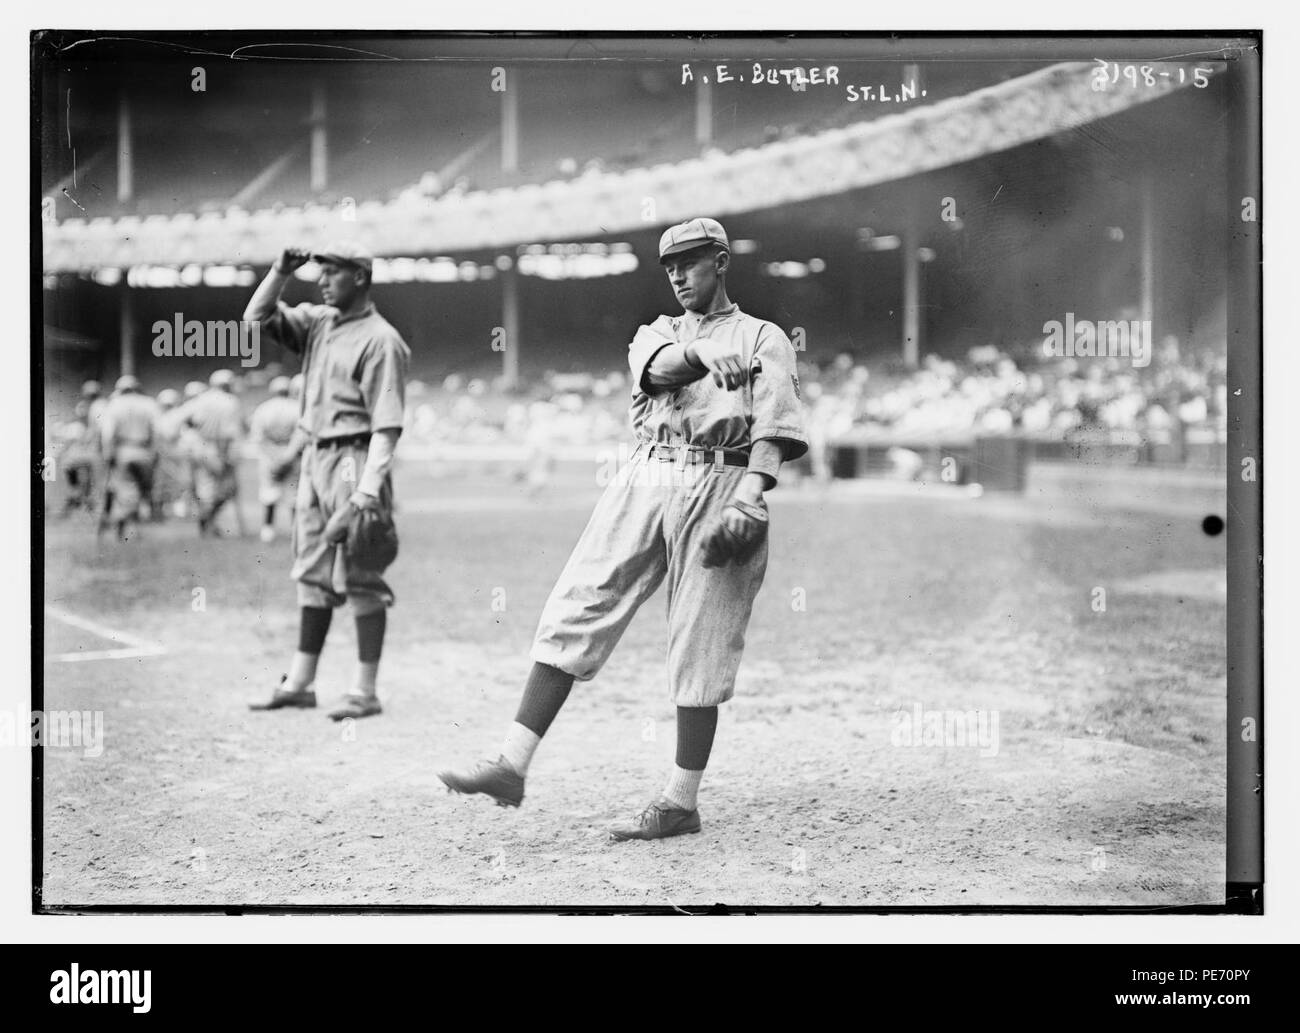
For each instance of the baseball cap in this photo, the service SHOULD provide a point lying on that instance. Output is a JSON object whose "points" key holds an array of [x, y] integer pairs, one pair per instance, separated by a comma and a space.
{"points": [[346, 252], [221, 378], [91, 389], [193, 389], [168, 398], [279, 385], [693, 233], [126, 382]]}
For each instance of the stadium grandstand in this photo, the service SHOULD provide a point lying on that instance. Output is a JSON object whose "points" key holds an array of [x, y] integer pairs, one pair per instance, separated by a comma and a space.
{"points": [[913, 235]]}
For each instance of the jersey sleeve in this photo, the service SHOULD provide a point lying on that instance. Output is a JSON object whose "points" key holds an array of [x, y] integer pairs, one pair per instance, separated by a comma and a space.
{"points": [[290, 326], [647, 343], [778, 410], [383, 383]]}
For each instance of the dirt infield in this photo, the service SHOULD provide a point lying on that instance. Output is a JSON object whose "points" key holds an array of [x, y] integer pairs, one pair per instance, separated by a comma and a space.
{"points": [[1090, 769]]}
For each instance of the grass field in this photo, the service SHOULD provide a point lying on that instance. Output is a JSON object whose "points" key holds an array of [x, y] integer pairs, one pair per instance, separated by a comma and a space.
{"points": [[1106, 786]]}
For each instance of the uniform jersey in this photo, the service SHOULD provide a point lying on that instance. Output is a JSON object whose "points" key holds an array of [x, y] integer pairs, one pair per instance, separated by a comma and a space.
{"points": [[354, 383], [215, 415], [94, 416], [700, 413], [274, 421], [354, 368], [170, 424], [129, 420], [648, 528]]}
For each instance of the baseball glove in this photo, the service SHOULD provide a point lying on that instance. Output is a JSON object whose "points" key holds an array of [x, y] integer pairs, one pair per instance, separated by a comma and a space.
{"points": [[372, 539], [736, 534], [284, 464]]}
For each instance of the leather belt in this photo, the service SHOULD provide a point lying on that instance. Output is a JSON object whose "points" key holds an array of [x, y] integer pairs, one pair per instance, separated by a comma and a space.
{"points": [[343, 442], [698, 454]]}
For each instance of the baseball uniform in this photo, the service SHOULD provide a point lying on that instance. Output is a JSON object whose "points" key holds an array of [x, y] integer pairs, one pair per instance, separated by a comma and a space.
{"points": [[644, 528], [128, 428], [715, 410], [271, 430], [77, 455], [218, 423], [354, 383], [173, 482]]}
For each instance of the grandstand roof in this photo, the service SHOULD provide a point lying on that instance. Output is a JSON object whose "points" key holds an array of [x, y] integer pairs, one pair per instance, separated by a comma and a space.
{"points": [[616, 159]]}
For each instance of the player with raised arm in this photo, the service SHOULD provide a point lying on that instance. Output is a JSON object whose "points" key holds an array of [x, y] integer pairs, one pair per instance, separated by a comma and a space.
{"points": [[354, 366]]}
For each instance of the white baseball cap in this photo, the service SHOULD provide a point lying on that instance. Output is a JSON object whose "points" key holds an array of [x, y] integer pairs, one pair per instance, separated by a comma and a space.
{"points": [[693, 233]]}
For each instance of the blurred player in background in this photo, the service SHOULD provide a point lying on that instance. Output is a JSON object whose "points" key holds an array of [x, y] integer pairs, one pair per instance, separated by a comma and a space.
{"points": [[79, 446], [355, 368], [189, 447], [218, 421], [273, 432], [539, 438], [171, 477], [128, 430]]}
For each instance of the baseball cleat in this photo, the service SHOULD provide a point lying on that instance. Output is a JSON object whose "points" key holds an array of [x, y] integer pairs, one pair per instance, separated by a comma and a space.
{"points": [[355, 706], [658, 821], [496, 778], [302, 699]]}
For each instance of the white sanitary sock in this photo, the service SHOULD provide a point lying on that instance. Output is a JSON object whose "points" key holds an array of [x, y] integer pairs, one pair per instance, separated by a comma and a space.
{"points": [[520, 744], [302, 671], [683, 787]]}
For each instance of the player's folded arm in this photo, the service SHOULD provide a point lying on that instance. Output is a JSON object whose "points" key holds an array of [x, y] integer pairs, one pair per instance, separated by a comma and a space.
{"points": [[657, 362]]}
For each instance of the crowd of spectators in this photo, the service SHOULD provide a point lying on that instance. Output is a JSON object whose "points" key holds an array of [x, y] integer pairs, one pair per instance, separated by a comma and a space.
{"points": [[848, 400], [990, 393]]}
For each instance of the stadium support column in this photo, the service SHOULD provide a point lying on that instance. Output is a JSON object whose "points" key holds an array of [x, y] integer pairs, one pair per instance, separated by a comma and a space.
{"points": [[703, 112], [125, 179], [126, 327], [510, 125], [319, 139], [510, 323], [911, 295]]}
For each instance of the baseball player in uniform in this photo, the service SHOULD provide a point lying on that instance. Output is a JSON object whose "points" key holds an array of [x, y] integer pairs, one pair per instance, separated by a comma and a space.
{"points": [[354, 366], [92, 397], [80, 444], [189, 446], [128, 429], [272, 432], [171, 477], [716, 411], [218, 421]]}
